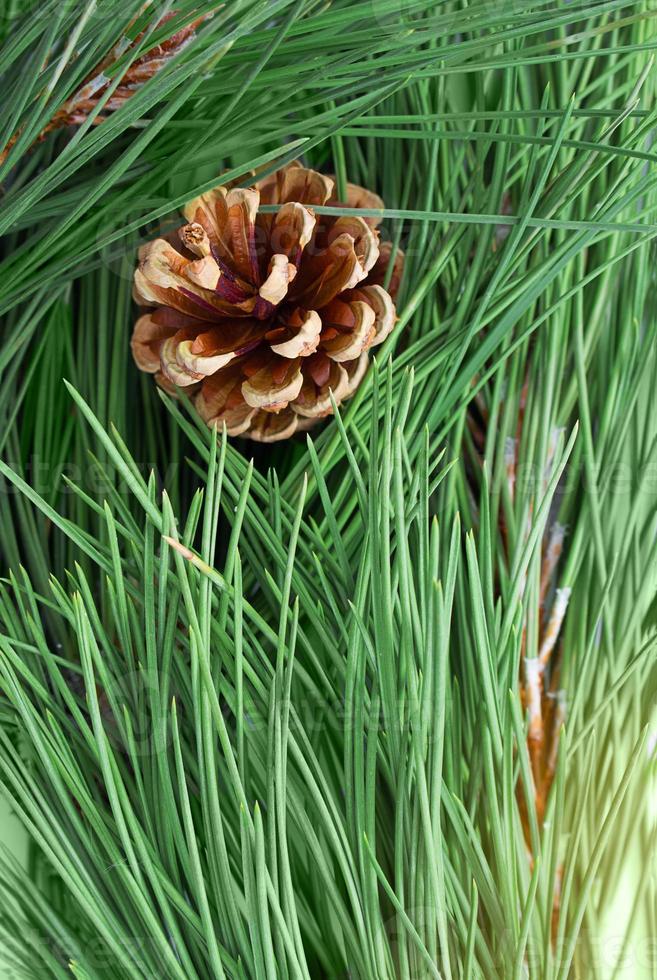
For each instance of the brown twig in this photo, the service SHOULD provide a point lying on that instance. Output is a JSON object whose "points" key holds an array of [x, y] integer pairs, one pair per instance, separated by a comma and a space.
{"points": [[80, 106]]}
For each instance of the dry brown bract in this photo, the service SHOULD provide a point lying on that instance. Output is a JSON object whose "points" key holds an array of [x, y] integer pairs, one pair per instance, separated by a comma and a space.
{"points": [[262, 315], [79, 107]]}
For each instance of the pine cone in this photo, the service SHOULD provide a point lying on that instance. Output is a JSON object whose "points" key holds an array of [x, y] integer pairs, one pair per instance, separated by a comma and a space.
{"points": [[262, 315]]}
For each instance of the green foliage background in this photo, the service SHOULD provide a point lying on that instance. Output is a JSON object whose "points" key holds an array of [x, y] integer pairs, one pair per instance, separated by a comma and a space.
{"points": [[294, 747]]}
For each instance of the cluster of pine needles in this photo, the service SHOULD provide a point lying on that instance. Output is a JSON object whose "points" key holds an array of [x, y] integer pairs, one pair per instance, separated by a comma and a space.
{"points": [[377, 703]]}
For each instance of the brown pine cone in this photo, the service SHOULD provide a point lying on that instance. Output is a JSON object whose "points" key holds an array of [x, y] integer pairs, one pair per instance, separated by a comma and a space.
{"points": [[262, 315]]}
